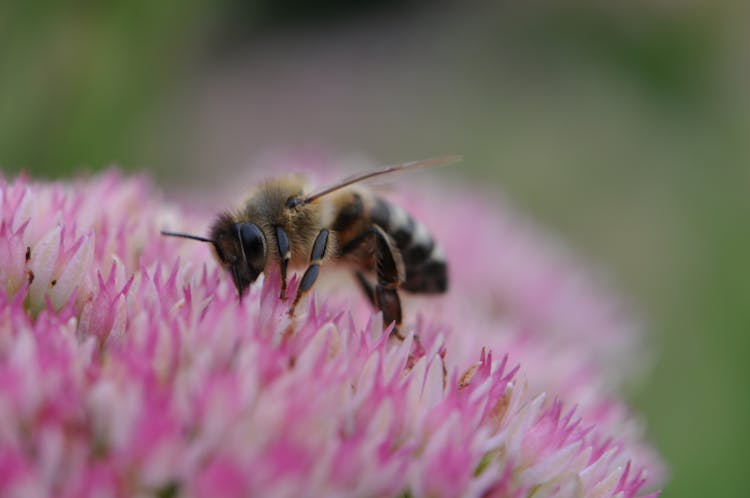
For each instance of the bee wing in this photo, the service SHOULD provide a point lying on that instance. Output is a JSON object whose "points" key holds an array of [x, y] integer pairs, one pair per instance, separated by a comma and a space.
{"points": [[383, 171]]}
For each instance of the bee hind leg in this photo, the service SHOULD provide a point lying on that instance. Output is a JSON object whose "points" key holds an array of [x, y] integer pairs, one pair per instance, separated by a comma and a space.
{"points": [[366, 286], [390, 275], [311, 274], [385, 300]]}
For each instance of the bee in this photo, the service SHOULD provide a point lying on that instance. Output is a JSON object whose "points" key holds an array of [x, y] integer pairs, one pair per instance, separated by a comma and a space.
{"points": [[283, 225]]}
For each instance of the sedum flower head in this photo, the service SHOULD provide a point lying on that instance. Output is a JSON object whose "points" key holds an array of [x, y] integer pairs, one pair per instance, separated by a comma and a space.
{"points": [[128, 367]]}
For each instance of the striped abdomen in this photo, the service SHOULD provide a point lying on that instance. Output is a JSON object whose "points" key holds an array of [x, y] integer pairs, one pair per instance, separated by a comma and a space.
{"points": [[424, 262]]}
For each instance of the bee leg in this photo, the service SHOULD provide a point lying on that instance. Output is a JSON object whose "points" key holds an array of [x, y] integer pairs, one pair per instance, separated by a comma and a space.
{"points": [[365, 286], [390, 274], [311, 274], [389, 303], [285, 255]]}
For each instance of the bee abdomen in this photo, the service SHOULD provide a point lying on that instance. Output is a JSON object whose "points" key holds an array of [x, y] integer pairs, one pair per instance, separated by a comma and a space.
{"points": [[424, 260]]}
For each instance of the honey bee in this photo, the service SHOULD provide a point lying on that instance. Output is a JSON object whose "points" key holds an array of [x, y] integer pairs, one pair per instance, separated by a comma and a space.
{"points": [[283, 225]]}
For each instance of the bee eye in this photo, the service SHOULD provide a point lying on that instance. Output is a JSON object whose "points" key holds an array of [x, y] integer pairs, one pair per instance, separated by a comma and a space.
{"points": [[253, 242]]}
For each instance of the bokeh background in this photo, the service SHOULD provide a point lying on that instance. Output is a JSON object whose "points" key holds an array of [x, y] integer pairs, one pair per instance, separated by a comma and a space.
{"points": [[622, 125]]}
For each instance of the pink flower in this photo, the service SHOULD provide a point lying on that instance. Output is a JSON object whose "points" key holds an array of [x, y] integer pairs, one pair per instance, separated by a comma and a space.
{"points": [[128, 367]]}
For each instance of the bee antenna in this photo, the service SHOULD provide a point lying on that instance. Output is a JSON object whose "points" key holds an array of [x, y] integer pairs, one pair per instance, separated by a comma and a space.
{"points": [[372, 174], [187, 236]]}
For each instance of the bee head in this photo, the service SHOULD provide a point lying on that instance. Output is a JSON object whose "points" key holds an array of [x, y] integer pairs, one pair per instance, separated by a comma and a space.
{"points": [[241, 248]]}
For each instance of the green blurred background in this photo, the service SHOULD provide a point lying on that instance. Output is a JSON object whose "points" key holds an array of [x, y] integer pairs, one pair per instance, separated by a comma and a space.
{"points": [[623, 125]]}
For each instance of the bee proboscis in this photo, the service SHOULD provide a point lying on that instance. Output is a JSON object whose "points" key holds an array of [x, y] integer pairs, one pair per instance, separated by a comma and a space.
{"points": [[282, 224]]}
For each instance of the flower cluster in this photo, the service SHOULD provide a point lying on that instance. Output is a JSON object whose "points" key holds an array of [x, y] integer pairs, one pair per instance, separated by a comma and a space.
{"points": [[129, 368]]}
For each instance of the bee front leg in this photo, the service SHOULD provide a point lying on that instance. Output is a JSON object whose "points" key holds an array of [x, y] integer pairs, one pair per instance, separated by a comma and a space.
{"points": [[311, 274], [390, 273], [285, 254]]}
